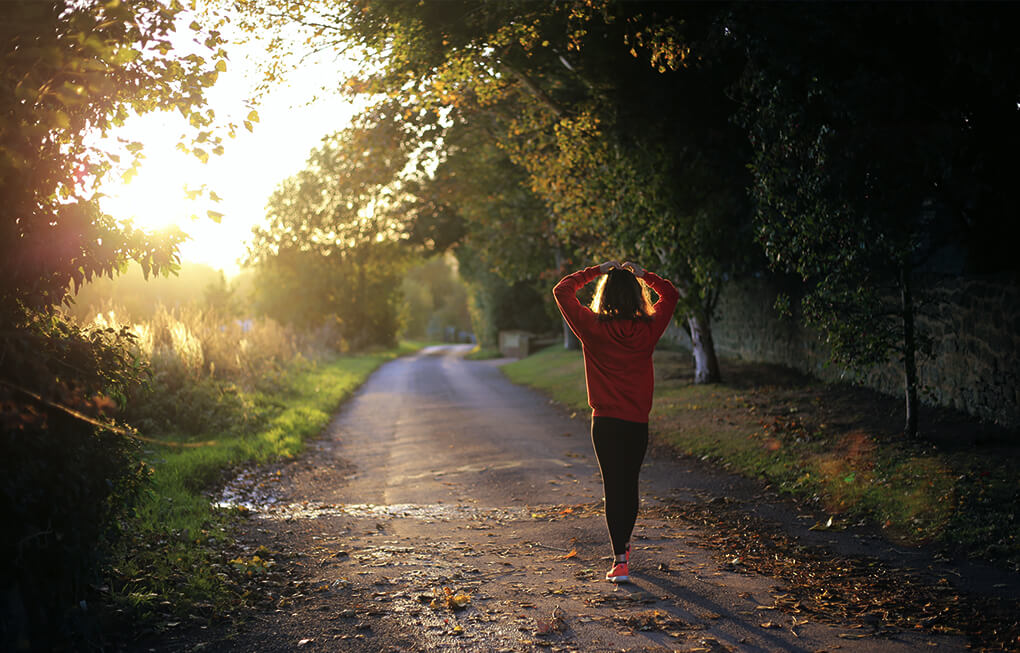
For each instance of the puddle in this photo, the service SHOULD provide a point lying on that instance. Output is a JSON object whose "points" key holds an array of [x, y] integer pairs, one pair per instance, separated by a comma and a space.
{"points": [[429, 513], [258, 494], [250, 490]]}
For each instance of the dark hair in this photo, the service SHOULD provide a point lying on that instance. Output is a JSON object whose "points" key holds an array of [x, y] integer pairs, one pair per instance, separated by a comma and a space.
{"points": [[621, 296]]}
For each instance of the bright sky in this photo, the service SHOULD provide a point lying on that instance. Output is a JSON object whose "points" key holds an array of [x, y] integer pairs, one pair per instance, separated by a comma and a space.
{"points": [[246, 174]]}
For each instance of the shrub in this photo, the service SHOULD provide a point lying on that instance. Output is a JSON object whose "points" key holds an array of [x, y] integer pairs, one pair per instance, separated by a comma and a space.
{"points": [[63, 484], [199, 359], [62, 481]]}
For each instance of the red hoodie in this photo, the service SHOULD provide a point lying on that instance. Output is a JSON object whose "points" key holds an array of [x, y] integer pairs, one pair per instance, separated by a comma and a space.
{"points": [[617, 353]]}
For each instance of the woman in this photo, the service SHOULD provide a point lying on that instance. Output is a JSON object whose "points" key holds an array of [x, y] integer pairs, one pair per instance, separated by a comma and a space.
{"points": [[618, 334]]}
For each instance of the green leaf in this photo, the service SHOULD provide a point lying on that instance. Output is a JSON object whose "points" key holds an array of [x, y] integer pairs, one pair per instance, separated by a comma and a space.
{"points": [[62, 119], [125, 55]]}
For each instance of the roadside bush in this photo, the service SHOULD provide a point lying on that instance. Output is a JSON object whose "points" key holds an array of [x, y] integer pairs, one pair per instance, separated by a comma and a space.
{"points": [[63, 479], [199, 360], [63, 485], [68, 487]]}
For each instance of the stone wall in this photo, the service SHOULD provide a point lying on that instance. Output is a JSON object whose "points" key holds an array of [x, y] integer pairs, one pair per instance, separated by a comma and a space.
{"points": [[974, 323]]}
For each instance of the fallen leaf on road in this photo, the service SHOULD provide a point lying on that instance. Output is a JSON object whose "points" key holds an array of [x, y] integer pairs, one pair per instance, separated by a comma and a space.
{"points": [[447, 598], [653, 620], [305, 641], [827, 526], [555, 624], [770, 624], [572, 554]]}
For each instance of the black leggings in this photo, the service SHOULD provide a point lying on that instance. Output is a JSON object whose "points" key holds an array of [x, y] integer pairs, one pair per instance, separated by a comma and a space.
{"points": [[620, 448]]}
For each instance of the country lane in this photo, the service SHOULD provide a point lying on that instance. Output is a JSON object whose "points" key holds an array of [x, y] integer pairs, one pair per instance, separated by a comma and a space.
{"points": [[446, 508]]}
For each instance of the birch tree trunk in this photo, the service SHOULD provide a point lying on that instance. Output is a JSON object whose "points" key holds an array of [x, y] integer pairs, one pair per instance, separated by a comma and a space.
{"points": [[570, 341], [706, 365], [699, 327]]}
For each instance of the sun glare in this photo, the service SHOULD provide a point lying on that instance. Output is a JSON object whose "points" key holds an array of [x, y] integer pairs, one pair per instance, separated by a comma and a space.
{"points": [[155, 198], [293, 119]]}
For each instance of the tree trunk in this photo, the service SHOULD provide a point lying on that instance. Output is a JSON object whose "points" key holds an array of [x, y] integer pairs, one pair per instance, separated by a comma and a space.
{"points": [[706, 365], [909, 354], [570, 341], [699, 328]]}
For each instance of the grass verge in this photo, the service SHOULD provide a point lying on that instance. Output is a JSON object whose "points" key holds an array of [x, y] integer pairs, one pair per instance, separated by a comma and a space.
{"points": [[173, 559], [479, 353], [839, 447]]}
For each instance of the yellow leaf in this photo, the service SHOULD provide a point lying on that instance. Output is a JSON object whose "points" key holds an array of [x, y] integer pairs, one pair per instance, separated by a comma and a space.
{"points": [[215, 216], [221, 66], [572, 554], [253, 115]]}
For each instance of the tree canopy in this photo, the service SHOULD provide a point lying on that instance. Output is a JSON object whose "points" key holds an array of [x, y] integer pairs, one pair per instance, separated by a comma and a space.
{"points": [[72, 72], [594, 102], [329, 253], [853, 144]]}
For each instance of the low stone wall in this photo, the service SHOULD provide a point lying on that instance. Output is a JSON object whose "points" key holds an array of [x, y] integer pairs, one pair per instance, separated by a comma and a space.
{"points": [[974, 323]]}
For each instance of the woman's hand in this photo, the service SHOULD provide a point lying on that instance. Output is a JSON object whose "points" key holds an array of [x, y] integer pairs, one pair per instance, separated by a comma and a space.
{"points": [[635, 268], [609, 265]]}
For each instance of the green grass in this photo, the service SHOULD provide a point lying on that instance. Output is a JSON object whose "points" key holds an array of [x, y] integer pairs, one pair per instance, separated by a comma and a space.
{"points": [[479, 353], [171, 559], [555, 371], [820, 443]]}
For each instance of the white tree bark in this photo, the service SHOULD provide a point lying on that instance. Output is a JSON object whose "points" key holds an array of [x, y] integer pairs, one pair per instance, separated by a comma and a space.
{"points": [[706, 365]]}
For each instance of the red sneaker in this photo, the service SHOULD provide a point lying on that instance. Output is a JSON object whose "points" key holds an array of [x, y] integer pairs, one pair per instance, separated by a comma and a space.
{"points": [[618, 574]]}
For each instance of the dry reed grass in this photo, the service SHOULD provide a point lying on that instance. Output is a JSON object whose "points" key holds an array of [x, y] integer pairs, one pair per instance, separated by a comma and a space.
{"points": [[194, 343]]}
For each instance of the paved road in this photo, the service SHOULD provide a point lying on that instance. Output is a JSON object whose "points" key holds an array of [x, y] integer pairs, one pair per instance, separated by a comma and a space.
{"points": [[439, 473]]}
